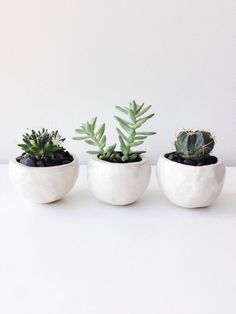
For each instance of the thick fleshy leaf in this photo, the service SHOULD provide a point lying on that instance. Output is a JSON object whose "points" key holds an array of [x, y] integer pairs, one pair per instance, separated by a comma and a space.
{"points": [[146, 133], [140, 108], [133, 157], [145, 109], [139, 152], [103, 141], [90, 142], [140, 137], [100, 131], [124, 124], [88, 128], [80, 138], [122, 145], [137, 143], [132, 115], [124, 158], [122, 134], [80, 131], [133, 106], [93, 152], [93, 123], [111, 148], [122, 109], [143, 120]]}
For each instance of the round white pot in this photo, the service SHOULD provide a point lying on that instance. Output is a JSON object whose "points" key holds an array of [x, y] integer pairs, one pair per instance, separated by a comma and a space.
{"points": [[117, 183], [190, 186], [43, 184]]}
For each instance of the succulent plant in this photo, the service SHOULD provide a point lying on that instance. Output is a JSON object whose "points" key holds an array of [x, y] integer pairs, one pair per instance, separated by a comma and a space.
{"points": [[194, 144], [42, 144], [129, 136]]}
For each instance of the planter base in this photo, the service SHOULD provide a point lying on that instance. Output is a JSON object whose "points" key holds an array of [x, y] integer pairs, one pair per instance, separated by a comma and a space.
{"points": [[190, 186], [43, 184], [116, 183]]}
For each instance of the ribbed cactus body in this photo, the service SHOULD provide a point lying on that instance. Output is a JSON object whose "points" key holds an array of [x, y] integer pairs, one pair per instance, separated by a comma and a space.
{"points": [[194, 144]]}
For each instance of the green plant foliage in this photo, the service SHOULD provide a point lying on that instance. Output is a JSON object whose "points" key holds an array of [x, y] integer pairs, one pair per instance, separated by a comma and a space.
{"points": [[42, 144], [194, 144], [128, 133]]}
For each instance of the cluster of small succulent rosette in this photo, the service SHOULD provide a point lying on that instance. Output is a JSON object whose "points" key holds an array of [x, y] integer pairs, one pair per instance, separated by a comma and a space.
{"points": [[44, 149]]}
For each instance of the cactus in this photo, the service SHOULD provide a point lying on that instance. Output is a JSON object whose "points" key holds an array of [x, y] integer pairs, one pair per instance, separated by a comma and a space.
{"points": [[194, 144], [128, 133], [42, 144]]}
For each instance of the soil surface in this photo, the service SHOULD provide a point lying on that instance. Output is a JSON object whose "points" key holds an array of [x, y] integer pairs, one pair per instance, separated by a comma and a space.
{"points": [[208, 160], [61, 158]]}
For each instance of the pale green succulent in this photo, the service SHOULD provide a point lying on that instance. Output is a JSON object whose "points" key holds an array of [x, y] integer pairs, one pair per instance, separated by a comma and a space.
{"points": [[129, 135]]}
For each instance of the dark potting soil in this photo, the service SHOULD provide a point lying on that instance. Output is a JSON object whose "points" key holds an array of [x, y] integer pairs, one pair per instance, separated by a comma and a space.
{"points": [[209, 160], [61, 158]]}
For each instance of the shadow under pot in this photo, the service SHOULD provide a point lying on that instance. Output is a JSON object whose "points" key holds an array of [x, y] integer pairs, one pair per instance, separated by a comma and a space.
{"points": [[43, 184], [190, 186], [118, 183]]}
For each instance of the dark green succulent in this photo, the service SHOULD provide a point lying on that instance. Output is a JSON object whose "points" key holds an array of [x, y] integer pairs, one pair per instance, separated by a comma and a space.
{"points": [[128, 133], [194, 144], [42, 144]]}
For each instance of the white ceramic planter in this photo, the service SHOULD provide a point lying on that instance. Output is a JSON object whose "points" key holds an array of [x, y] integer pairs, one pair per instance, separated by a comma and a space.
{"points": [[117, 183], [43, 184], [190, 186]]}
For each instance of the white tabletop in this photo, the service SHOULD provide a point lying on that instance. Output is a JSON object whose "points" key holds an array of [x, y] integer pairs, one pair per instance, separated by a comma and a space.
{"points": [[80, 256]]}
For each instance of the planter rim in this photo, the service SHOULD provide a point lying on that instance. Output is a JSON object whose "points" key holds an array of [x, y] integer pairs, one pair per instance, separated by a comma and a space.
{"points": [[15, 162], [120, 164], [219, 162]]}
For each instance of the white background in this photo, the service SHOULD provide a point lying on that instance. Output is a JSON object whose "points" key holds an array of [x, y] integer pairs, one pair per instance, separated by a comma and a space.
{"points": [[62, 62]]}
